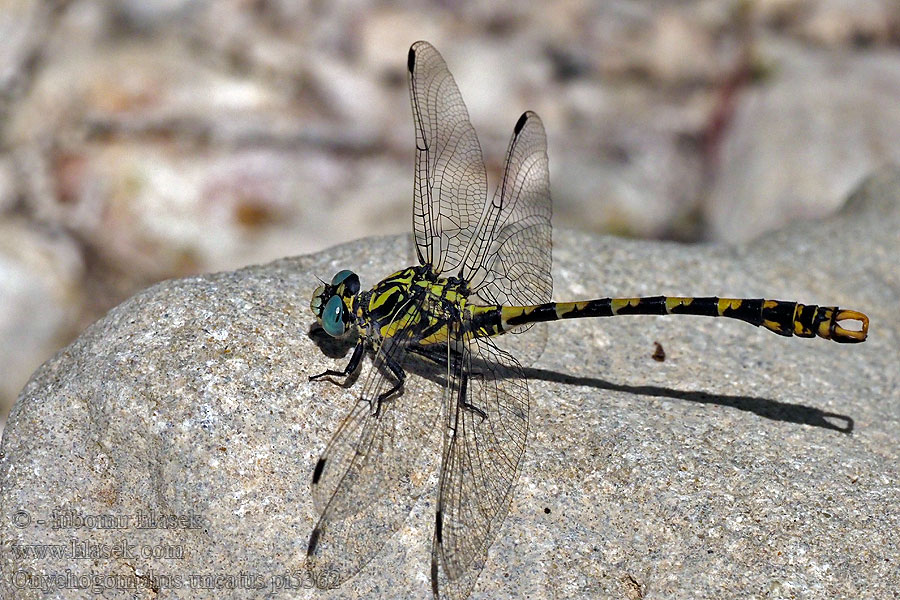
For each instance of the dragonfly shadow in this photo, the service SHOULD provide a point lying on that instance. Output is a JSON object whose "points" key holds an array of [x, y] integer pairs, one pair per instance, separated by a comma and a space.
{"points": [[335, 348], [330, 346], [416, 364], [764, 407]]}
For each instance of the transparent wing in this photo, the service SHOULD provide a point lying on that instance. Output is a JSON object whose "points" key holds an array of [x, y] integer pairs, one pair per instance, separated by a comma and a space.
{"points": [[513, 258], [450, 180], [481, 459], [370, 474]]}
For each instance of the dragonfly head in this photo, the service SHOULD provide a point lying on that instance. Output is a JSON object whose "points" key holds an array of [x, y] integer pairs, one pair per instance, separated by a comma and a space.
{"points": [[332, 303]]}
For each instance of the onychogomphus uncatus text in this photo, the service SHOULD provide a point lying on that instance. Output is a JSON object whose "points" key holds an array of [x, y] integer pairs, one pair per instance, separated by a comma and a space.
{"points": [[484, 270]]}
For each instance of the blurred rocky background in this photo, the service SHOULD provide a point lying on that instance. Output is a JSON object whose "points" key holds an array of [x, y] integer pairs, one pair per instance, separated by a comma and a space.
{"points": [[147, 139]]}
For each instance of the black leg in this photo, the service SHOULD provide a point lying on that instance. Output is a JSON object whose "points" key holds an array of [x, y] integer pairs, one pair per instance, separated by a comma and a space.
{"points": [[463, 397], [351, 366], [400, 374]]}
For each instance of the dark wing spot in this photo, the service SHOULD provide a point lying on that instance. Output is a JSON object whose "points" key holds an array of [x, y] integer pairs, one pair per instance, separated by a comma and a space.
{"points": [[439, 526], [411, 59], [317, 472], [520, 123], [313, 542]]}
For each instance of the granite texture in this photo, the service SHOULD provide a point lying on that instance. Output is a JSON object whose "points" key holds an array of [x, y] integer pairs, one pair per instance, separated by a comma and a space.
{"points": [[743, 465]]}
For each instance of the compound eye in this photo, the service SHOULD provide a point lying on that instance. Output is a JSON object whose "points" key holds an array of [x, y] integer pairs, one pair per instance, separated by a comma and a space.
{"points": [[350, 282], [340, 277], [315, 304], [333, 317]]}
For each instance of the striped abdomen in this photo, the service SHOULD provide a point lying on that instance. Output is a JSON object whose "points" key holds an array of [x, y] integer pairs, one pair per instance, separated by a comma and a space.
{"points": [[784, 318]]}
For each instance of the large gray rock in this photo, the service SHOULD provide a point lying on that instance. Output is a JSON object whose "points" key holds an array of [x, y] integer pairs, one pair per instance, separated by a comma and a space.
{"points": [[744, 465]]}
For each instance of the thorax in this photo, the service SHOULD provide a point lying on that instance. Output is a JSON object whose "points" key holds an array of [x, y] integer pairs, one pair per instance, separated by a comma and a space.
{"points": [[410, 302]]}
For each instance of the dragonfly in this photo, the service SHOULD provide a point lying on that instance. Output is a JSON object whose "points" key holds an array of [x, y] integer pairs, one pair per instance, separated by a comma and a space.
{"points": [[442, 376]]}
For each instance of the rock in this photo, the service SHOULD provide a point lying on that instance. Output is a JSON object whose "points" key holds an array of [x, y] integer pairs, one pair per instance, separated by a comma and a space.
{"points": [[40, 296], [800, 142], [851, 22], [743, 462], [24, 27], [146, 17], [681, 49], [7, 185]]}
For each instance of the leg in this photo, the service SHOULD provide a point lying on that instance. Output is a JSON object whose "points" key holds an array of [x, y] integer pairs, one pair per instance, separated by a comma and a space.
{"points": [[400, 374], [352, 365], [463, 398]]}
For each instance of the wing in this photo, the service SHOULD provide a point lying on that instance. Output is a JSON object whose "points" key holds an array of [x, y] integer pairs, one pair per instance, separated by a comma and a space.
{"points": [[481, 459], [369, 475], [513, 258], [450, 180]]}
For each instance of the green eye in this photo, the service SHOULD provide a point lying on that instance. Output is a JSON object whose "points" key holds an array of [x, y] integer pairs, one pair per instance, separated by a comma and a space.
{"points": [[340, 277], [315, 303], [333, 317], [349, 280]]}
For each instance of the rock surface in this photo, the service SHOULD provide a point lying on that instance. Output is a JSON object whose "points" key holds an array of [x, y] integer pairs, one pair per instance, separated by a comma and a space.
{"points": [[744, 465]]}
